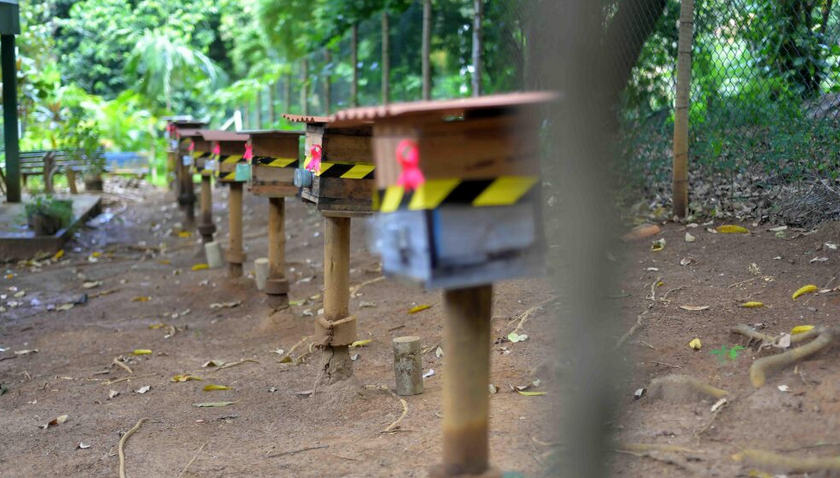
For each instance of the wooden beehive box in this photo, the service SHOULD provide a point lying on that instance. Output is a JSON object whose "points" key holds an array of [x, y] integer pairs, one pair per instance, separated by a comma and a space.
{"points": [[227, 151], [202, 152], [176, 124], [343, 185], [457, 188], [275, 157]]}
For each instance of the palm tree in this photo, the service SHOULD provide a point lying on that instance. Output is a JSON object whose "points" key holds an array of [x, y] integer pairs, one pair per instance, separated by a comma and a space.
{"points": [[161, 62]]}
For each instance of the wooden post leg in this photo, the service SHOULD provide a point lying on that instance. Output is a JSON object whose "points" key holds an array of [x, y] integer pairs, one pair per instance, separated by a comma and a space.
{"points": [[172, 172], [277, 286], [235, 255], [189, 196], [336, 364], [466, 375], [71, 179], [206, 226]]}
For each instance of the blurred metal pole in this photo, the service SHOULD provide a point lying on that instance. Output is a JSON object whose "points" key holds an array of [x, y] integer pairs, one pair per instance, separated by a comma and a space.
{"points": [[572, 60], [10, 120], [427, 47], [478, 6]]}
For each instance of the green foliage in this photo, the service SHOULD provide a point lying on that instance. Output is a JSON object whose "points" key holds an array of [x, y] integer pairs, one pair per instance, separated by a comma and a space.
{"points": [[46, 205], [725, 354]]}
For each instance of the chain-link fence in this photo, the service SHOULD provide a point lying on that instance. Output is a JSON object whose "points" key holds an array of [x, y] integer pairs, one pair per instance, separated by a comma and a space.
{"points": [[765, 91]]}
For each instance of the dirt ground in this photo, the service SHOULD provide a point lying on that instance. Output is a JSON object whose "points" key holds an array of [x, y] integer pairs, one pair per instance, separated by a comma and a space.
{"points": [[270, 429]]}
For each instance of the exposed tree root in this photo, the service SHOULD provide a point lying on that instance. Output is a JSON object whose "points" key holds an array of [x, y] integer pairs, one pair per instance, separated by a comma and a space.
{"points": [[788, 464], [121, 446], [761, 367], [123, 366], [642, 447], [393, 426]]}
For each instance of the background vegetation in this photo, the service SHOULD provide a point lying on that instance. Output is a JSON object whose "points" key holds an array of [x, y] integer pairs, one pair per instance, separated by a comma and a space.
{"points": [[764, 95]]}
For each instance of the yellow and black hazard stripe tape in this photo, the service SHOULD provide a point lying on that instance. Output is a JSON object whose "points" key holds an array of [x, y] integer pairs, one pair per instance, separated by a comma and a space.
{"points": [[275, 162], [234, 158], [344, 170], [199, 155], [436, 193], [228, 177]]}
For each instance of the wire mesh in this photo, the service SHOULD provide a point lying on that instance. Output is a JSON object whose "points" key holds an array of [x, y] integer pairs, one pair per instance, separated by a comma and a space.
{"points": [[765, 90]]}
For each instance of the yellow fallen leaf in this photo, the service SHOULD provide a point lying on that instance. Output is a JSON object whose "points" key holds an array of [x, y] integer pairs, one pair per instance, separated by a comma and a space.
{"points": [[165, 262], [213, 387], [200, 267], [141, 352], [657, 245], [185, 234], [418, 308], [361, 343], [800, 329], [141, 299], [185, 378], [695, 344], [96, 254], [58, 255], [530, 394], [804, 290], [752, 305], [731, 229], [157, 326]]}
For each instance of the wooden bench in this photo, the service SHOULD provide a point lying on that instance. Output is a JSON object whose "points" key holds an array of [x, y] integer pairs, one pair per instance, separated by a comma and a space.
{"points": [[47, 163]]}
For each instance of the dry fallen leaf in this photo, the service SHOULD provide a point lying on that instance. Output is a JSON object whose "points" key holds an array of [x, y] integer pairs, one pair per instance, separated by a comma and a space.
{"points": [[361, 343], [142, 298], [731, 229], [752, 304], [185, 378], [689, 238], [695, 344], [141, 352], [805, 290], [658, 245], [157, 326], [26, 352], [83, 445], [418, 308], [200, 267], [143, 390], [514, 337], [112, 394], [530, 394], [55, 422], [213, 387], [225, 305], [214, 363], [91, 284], [694, 308], [212, 404]]}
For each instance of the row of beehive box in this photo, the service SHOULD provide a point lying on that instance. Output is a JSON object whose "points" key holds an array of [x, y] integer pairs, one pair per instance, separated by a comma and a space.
{"points": [[455, 183]]}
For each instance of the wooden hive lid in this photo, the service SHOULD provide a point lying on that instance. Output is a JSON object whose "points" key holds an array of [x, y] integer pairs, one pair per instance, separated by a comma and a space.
{"points": [[219, 135], [189, 132], [443, 108], [309, 119], [273, 132]]}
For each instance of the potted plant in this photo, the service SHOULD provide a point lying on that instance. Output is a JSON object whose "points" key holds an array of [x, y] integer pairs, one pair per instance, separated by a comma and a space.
{"points": [[47, 215], [80, 140]]}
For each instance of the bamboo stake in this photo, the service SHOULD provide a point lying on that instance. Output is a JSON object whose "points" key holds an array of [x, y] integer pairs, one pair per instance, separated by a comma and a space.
{"points": [[680, 169], [327, 85], [336, 361], [478, 6], [354, 60], [386, 61], [427, 47]]}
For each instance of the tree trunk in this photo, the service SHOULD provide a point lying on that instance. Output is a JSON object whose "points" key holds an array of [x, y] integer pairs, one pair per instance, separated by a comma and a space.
{"points": [[354, 60], [304, 87], [386, 61], [327, 85], [427, 47], [478, 5]]}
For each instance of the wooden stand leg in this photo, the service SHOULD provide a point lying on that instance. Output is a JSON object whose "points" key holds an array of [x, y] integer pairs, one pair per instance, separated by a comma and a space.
{"points": [[277, 286], [235, 255], [335, 362], [466, 375], [189, 196], [172, 172], [206, 226]]}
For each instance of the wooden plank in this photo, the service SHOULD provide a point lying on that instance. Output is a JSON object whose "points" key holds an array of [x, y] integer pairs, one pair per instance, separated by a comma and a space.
{"points": [[273, 190], [275, 146], [347, 148]]}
